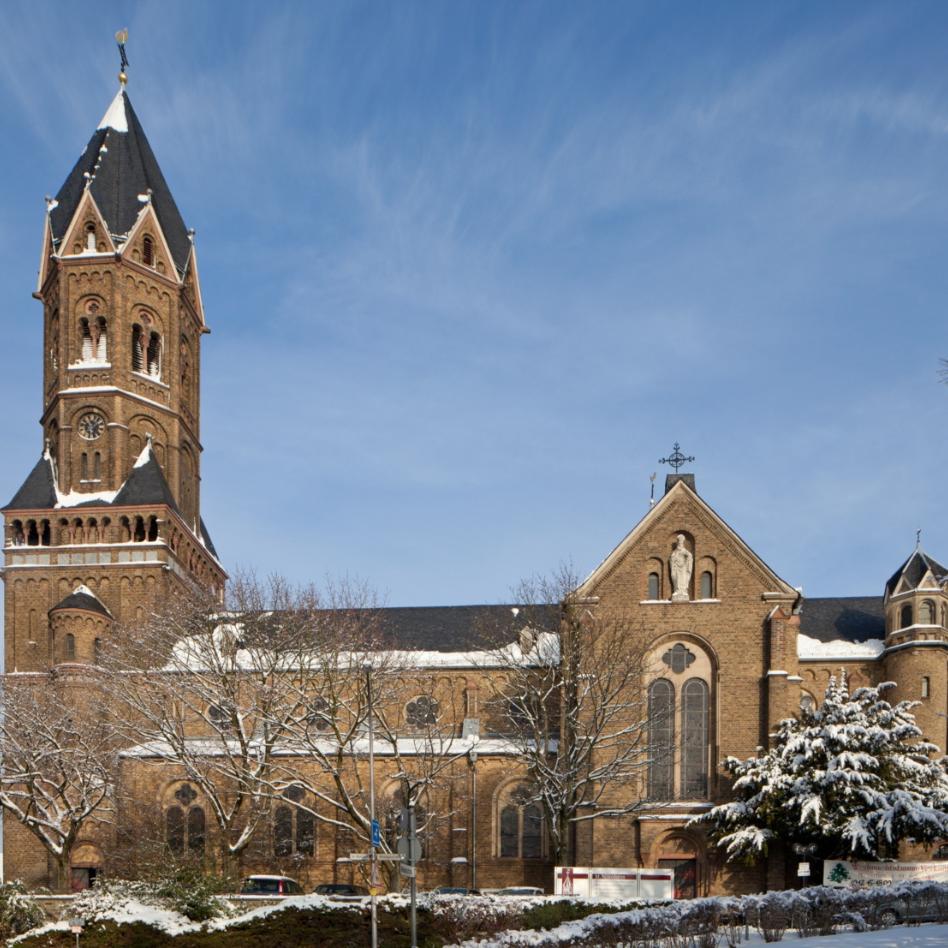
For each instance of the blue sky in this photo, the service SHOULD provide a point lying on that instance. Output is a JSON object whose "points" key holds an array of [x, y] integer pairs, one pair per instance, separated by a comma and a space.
{"points": [[471, 268]]}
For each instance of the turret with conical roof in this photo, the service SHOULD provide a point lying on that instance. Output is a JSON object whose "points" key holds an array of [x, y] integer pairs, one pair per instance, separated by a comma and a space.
{"points": [[113, 504]]}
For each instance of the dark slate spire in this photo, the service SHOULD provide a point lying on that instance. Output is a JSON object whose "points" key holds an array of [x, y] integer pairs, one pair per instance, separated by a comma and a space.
{"points": [[146, 484], [117, 166], [83, 598], [914, 570], [39, 489]]}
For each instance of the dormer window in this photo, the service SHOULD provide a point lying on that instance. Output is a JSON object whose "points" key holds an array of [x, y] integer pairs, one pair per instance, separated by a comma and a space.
{"points": [[148, 251]]}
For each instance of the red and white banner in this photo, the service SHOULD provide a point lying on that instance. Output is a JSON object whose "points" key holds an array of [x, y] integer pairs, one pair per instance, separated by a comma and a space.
{"points": [[649, 885]]}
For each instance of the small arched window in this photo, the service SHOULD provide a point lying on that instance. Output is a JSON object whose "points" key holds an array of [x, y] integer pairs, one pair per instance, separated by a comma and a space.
{"points": [[905, 616], [926, 612], [69, 647], [807, 701], [654, 586], [707, 585], [84, 466], [154, 355], [926, 687], [694, 739], [101, 339], [138, 349], [148, 251], [661, 740], [90, 237], [97, 651], [86, 350]]}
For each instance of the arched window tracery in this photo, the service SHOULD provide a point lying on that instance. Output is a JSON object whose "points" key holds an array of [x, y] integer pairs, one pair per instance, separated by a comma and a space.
{"points": [[661, 740], [294, 828], [185, 823], [520, 825], [694, 739]]}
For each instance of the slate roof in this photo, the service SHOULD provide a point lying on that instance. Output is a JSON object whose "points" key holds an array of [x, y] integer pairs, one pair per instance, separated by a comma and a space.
{"points": [[460, 628], [914, 569], [39, 489], [117, 176], [146, 485], [82, 599], [850, 618], [208, 543]]}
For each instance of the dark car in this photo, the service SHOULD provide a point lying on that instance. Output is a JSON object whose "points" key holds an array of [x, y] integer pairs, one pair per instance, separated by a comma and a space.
{"points": [[270, 885], [913, 908], [454, 890], [341, 891]]}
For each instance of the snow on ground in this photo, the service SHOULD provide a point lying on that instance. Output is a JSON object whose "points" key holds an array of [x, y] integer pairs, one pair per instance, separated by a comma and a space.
{"points": [[921, 936]]}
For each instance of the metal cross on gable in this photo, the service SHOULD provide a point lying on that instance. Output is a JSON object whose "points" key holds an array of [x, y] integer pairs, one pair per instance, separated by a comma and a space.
{"points": [[676, 459]]}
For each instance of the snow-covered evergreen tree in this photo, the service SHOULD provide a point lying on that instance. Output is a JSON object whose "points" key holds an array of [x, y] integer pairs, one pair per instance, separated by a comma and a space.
{"points": [[847, 778]]}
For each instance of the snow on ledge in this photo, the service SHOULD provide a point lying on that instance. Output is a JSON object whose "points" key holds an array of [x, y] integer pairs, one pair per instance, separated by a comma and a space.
{"points": [[814, 649]]}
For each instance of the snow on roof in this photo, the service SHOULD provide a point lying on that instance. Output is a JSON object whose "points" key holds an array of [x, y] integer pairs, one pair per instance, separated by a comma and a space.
{"points": [[404, 746], [192, 652], [145, 456], [814, 649], [83, 590], [115, 117]]}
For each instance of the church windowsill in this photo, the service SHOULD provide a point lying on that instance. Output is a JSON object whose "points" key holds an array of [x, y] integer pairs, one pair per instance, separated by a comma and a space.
{"points": [[680, 602]]}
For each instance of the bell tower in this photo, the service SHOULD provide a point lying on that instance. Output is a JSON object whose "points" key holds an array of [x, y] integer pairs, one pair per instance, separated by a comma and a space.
{"points": [[113, 505]]}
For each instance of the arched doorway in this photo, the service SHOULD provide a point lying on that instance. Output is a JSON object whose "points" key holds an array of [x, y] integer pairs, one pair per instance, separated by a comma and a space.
{"points": [[679, 852], [85, 866]]}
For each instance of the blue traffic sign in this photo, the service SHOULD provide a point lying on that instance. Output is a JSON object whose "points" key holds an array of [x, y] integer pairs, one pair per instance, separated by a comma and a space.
{"points": [[376, 834]]}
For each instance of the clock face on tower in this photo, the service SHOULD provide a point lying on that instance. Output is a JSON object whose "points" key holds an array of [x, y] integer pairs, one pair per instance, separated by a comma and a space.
{"points": [[90, 426]]}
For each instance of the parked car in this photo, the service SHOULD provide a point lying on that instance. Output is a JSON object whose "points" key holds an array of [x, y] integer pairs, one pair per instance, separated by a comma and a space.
{"points": [[920, 908], [454, 890], [270, 885], [521, 890], [341, 891]]}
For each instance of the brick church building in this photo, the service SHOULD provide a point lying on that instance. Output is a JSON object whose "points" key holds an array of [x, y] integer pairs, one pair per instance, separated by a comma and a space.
{"points": [[108, 525]]}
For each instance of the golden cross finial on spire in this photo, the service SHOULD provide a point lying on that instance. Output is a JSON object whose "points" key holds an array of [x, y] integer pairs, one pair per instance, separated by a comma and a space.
{"points": [[122, 38]]}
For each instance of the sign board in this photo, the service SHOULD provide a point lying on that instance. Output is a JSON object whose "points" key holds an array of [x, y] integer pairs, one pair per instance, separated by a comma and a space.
{"points": [[407, 871], [803, 870], [858, 874], [409, 848], [376, 834], [647, 885]]}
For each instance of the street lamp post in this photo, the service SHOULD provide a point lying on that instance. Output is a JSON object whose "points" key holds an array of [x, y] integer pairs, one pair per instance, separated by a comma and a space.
{"points": [[373, 864], [472, 756]]}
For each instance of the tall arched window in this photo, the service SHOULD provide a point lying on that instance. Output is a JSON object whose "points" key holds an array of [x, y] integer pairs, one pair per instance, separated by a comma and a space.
{"points": [[90, 237], [520, 823], [926, 612], [694, 739], [185, 823], [69, 647], [294, 829], [905, 616], [707, 585], [654, 586], [148, 251], [661, 740], [394, 810]]}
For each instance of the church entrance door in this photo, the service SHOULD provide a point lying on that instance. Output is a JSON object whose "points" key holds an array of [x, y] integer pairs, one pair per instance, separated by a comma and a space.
{"points": [[686, 876]]}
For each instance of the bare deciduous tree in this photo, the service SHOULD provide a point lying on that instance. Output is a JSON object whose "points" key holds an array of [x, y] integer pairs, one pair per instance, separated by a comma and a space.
{"points": [[58, 763], [574, 703]]}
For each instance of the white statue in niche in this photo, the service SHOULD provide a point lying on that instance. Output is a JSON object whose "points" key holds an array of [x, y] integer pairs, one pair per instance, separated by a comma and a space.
{"points": [[680, 564]]}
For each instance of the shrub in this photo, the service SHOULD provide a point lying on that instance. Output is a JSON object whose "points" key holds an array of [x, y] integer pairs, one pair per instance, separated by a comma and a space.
{"points": [[193, 893], [18, 912]]}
